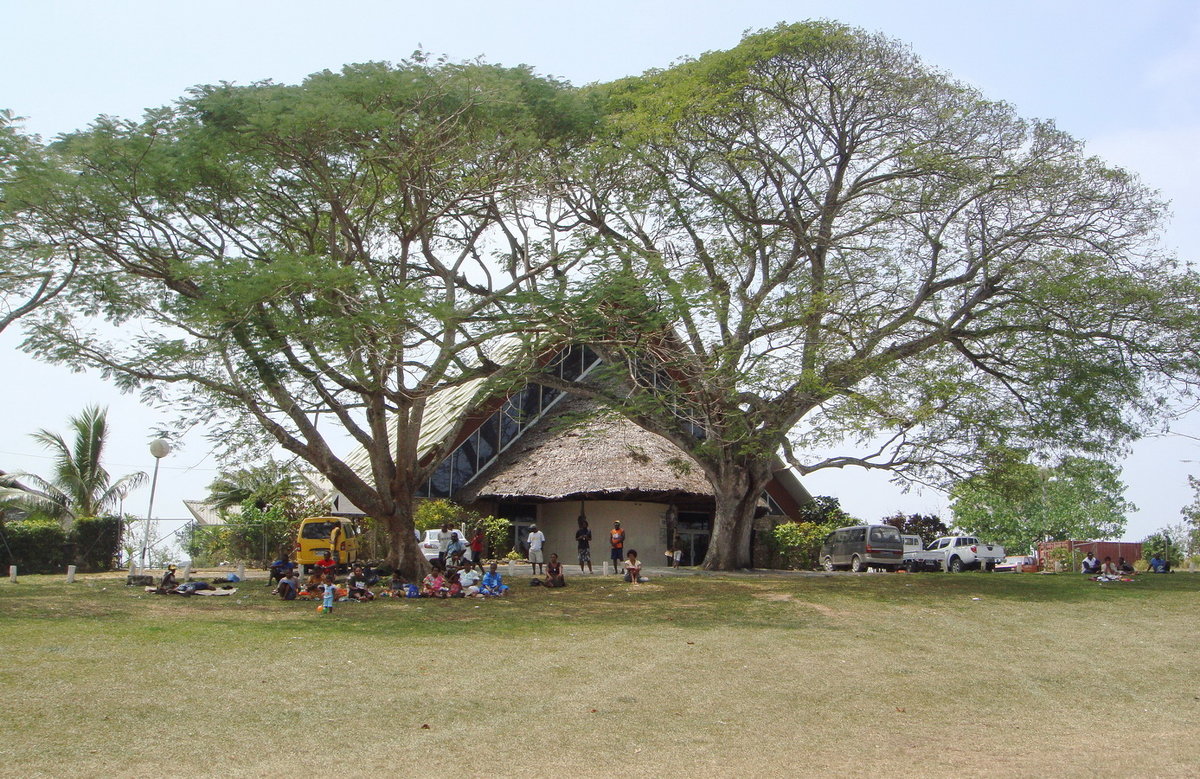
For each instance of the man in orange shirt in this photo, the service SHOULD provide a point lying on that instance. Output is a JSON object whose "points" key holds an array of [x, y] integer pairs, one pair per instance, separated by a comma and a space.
{"points": [[617, 536]]}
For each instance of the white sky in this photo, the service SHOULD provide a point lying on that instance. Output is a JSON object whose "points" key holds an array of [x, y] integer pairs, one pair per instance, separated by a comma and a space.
{"points": [[1122, 76]]}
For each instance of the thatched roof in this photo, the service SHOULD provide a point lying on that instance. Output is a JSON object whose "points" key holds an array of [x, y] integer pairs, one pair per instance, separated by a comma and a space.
{"points": [[578, 451]]}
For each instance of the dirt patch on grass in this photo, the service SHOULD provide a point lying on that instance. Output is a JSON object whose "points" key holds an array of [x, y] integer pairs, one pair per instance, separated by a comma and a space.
{"points": [[821, 609]]}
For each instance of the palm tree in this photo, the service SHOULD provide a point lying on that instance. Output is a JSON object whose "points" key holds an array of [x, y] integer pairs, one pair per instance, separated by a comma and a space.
{"points": [[264, 484], [79, 486]]}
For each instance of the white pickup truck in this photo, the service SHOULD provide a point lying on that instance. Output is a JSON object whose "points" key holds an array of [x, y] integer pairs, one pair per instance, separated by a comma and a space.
{"points": [[955, 554]]}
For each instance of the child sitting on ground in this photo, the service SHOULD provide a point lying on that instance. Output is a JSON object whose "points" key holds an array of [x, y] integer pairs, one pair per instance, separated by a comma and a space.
{"points": [[454, 588], [492, 585], [395, 587], [633, 568]]}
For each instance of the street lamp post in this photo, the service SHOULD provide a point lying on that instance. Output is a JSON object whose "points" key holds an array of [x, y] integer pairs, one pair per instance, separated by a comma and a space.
{"points": [[160, 448]]}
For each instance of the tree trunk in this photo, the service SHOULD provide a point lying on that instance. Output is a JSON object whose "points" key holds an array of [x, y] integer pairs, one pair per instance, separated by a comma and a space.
{"points": [[404, 555], [737, 493]]}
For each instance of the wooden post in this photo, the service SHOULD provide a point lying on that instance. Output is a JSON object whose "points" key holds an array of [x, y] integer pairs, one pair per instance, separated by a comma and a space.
{"points": [[70, 574], [12, 574]]}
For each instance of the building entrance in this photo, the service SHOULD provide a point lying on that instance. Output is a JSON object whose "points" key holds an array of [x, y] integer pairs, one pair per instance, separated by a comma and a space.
{"points": [[693, 531]]}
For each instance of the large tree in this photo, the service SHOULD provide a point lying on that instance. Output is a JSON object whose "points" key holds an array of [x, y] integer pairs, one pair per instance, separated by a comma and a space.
{"points": [[33, 271], [1016, 503], [814, 243], [344, 247]]}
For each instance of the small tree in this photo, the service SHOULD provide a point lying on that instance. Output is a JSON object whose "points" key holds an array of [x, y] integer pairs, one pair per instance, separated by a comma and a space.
{"points": [[1017, 504], [498, 532], [799, 543], [927, 526], [1173, 543], [79, 486]]}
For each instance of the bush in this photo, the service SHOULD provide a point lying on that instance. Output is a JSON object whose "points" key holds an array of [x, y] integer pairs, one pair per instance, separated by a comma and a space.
{"points": [[432, 513], [1071, 559], [799, 543], [498, 532], [97, 542], [34, 546], [1164, 545], [1141, 565]]}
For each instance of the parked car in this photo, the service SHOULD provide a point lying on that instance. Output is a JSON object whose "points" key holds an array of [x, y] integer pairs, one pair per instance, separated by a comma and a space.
{"points": [[956, 554], [429, 545], [1026, 563], [861, 547]]}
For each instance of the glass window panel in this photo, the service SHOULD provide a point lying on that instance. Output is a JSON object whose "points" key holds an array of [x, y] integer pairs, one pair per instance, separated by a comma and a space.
{"points": [[510, 416], [572, 363], [531, 403], [548, 396], [489, 439], [555, 366], [464, 463], [439, 483]]}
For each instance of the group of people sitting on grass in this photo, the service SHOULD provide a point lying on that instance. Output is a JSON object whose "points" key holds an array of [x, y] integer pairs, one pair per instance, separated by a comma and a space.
{"points": [[442, 582], [465, 582], [1092, 565]]}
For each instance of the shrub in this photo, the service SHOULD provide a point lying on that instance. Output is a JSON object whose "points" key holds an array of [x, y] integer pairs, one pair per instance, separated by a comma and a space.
{"points": [[799, 543], [433, 513], [1071, 559], [34, 546], [97, 542], [1140, 565], [498, 532]]}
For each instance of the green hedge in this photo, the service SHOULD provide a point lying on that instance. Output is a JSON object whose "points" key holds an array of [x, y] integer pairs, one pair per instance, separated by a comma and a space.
{"points": [[97, 542], [34, 546], [42, 546]]}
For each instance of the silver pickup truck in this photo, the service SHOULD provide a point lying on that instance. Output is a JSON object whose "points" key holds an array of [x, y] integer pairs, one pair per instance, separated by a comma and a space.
{"points": [[955, 554]]}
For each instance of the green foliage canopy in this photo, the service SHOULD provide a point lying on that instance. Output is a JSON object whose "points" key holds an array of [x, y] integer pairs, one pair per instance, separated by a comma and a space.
{"points": [[813, 241], [341, 247], [1016, 504]]}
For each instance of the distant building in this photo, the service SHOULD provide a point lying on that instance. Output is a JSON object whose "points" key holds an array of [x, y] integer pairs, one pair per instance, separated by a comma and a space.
{"points": [[539, 456]]}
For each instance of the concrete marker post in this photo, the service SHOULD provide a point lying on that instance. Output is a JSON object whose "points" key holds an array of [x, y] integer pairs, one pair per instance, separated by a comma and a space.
{"points": [[12, 574], [70, 574], [187, 570], [241, 572]]}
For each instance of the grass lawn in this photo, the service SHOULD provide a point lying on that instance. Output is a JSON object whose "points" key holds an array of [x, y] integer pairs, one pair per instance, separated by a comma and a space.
{"points": [[930, 674]]}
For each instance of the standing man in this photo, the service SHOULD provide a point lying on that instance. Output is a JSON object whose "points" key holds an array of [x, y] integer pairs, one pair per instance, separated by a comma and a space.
{"points": [[617, 537], [335, 542], [583, 537], [444, 537], [535, 539]]}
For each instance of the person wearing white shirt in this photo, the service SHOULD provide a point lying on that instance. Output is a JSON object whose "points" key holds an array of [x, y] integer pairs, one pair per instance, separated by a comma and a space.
{"points": [[535, 539]]}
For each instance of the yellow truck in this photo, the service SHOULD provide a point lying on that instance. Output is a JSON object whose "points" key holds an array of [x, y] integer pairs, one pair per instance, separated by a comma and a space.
{"points": [[318, 535]]}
